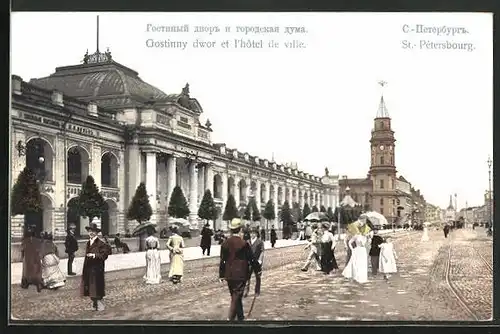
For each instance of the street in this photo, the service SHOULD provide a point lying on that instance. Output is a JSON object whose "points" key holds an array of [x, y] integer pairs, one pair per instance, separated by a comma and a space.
{"points": [[419, 291]]}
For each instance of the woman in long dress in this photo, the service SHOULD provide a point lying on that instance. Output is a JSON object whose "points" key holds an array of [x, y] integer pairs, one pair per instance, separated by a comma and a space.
{"points": [[357, 267], [425, 236], [328, 243], [153, 260], [175, 244], [52, 276], [387, 260]]}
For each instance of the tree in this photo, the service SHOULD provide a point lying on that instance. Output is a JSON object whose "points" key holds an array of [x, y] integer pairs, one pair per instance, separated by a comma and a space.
{"points": [[26, 199], [330, 214], [269, 213], [90, 201], [322, 208], [286, 214], [296, 212], [178, 207], [252, 211], [230, 211], [140, 209], [306, 211], [207, 209], [314, 209]]}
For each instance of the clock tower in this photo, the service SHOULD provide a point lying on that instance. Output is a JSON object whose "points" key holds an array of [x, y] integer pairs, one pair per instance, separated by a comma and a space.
{"points": [[382, 168]]}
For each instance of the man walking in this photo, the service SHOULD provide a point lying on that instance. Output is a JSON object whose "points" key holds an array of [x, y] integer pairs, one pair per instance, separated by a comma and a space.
{"points": [[446, 230], [235, 259], [313, 255], [257, 246], [273, 236], [374, 253], [206, 239], [71, 246], [96, 253]]}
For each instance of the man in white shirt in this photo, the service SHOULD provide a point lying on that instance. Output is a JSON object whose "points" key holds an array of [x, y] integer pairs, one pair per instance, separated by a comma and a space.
{"points": [[257, 246]]}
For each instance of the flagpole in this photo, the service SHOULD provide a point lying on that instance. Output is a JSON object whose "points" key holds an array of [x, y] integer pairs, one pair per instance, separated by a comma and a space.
{"points": [[97, 34]]}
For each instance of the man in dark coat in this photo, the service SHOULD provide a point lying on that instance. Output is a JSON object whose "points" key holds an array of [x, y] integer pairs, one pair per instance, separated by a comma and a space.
{"points": [[96, 253], [446, 230], [263, 234], [71, 246], [246, 232], [374, 253], [257, 246], [31, 247], [206, 239], [236, 258], [273, 236]]}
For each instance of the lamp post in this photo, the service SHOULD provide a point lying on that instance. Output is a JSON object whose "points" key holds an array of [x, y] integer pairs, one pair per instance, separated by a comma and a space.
{"points": [[490, 201]]}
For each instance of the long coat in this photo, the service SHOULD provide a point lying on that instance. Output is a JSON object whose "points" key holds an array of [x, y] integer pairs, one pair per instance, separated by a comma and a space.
{"points": [[206, 237], [32, 266], [93, 269]]}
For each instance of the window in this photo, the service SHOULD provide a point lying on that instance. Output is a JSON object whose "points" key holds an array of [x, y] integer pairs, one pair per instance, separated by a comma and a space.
{"points": [[381, 211], [381, 202], [184, 119], [393, 202], [382, 160], [381, 184]]}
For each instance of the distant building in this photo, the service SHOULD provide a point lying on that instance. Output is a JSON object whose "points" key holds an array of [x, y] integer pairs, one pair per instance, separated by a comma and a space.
{"points": [[382, 190]]}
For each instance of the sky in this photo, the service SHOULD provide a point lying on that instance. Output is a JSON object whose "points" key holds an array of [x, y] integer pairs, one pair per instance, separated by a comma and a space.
{"points": [[313, 105]]}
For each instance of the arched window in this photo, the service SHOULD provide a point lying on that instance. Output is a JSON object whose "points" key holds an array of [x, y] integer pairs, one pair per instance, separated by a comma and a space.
{"points": [[381, 184], [382, 160], [381, 201]]}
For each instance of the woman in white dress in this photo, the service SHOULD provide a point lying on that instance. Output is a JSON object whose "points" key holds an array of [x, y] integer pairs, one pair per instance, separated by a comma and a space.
{"points": [[425, 236], [387, 260], [175, 244], [153, 260], [357, 267], [52, 276]]}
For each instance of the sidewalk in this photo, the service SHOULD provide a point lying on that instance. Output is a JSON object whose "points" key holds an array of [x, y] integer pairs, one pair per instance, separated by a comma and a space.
{"points": [[137, 259]]}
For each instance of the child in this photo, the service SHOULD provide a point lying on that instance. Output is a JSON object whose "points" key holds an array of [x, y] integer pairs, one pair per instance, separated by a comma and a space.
{"points": [[387, 260]]}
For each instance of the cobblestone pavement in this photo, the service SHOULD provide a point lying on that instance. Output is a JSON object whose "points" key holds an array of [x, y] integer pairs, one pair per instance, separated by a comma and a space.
{"points": [[417, 292]]}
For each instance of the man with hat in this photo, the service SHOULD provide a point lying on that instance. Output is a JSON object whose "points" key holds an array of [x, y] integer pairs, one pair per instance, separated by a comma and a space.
{"points": [[96, 252], [236, 259], [257, 246], [71, 246]]}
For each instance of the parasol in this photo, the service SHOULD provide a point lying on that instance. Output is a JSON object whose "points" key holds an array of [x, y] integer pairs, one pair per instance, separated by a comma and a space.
{"points": [[376, 218], [141, 228], [179, 221], [316, 217]]}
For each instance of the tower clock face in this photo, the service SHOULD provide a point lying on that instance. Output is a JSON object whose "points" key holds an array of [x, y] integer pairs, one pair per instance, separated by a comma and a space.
{"points": [[382, 147]]}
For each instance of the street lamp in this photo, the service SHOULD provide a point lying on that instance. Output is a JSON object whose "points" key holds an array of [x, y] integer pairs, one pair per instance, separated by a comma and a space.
{"points": [[490, 201]]}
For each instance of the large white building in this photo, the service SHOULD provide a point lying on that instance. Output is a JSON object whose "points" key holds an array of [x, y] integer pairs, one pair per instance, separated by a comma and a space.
{"points": [[99, 118]]}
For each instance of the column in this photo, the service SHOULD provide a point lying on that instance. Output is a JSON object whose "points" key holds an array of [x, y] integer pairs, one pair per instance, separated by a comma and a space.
{"points": [[301, 198], [248, 184], [162, 184], [171, 176], [193, 194], [122, 204], [290, 198], [257, 195], [267, 193], [201, 182], [209, 178], [95, 171], [224, 190], [275, 201], [236, 192], [151, 181]]}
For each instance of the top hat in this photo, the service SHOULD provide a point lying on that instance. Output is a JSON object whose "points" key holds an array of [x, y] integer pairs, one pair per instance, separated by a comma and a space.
{"points": [[254, 230], [235, 224], [72, 226], [93, 227]]}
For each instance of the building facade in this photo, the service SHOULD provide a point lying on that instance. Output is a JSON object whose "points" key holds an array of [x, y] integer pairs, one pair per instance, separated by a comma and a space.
{"points": [[99, 118]]}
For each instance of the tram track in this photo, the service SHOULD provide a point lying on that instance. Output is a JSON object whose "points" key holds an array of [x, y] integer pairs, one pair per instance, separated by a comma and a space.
{"points": [[454, 290]]}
